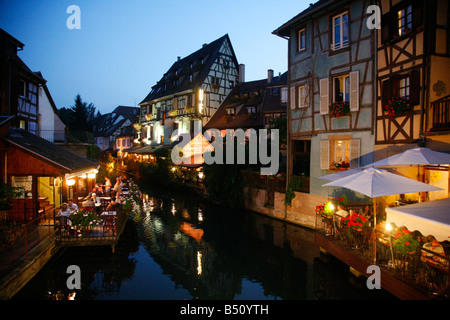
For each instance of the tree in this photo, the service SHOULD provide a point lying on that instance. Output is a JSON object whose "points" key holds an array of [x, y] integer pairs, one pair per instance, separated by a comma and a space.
{"points": [[82, 116]]}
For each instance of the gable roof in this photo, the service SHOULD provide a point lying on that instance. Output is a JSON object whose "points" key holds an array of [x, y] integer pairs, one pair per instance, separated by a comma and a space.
{"points": [[107, 124], [284, 30], [272, 97], [48, 151], [240, 97], [181, 70]]}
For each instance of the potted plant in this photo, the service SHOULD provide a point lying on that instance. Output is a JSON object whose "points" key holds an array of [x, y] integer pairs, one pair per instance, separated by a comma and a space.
{"points": [[404, 242], [397, 106], [339, 109], [83, 219], [354, 222]]}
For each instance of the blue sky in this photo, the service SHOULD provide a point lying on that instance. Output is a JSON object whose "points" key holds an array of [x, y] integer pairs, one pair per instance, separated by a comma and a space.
{"points": [[124, 47]]}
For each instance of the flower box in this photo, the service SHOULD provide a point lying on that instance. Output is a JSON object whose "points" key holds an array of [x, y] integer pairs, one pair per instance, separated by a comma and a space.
{"points": [[339, 109], [397, 106]]}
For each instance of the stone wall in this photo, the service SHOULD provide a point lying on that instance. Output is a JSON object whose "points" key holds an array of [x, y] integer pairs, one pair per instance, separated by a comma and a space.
{"points": [[301, 212]]}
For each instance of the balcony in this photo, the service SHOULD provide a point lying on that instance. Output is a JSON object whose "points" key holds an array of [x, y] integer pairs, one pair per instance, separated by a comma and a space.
{"points": [[55, 136], [440, 114]]}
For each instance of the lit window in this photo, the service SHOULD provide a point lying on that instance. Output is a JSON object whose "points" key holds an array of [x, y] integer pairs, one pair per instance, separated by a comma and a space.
{"points": [[341, 150], [341, 88], [230, 111], [404, 20], [340, 31]]}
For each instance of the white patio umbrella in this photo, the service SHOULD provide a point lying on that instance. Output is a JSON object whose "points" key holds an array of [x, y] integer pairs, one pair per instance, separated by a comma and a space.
{"points": [[414, 156], [341, 174], [375, 183]]}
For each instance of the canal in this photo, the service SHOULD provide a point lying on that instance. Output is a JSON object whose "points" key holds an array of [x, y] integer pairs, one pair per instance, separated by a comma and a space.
{"points": [[181, 247]]}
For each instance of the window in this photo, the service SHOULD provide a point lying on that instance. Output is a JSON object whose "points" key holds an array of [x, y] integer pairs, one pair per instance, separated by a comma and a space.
{"points": [[251, 110], [341, 88], [340, 31], [230, 111], [191, 77], [403, 87], [301, 44], [284, 95], [339, 148], [404, 20], [23, 88]]}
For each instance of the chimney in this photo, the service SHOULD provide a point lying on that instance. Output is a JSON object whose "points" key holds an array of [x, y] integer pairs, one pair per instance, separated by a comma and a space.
{"points": [[269, 75], [178, 58], [241, 73]]}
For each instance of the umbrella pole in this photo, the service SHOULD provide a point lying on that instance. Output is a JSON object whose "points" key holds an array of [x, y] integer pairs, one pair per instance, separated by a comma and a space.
{"points": [[375, 230]]}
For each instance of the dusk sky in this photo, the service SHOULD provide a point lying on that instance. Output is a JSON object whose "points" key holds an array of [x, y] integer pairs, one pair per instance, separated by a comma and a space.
{"points": [[124, 47]]}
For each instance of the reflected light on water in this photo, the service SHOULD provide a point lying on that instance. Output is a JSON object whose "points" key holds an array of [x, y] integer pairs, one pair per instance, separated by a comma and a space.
{"points": [[199, 263]]}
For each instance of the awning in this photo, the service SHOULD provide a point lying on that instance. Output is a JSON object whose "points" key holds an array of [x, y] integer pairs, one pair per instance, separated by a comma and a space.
{"points": [[430, 218]]}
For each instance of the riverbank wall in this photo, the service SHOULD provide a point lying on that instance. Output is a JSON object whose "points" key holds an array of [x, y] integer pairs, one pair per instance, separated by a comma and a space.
{"points": [[301, 211]]}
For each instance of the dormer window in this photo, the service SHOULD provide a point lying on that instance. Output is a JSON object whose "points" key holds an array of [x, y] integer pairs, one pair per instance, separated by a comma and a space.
{"points": [[251, 110]]}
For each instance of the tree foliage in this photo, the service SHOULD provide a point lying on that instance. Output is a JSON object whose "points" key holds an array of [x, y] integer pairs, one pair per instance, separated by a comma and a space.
{"points": [[80, 116]]}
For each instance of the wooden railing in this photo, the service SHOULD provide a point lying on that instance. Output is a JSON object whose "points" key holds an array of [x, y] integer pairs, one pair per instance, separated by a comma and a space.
{"points": [[429, 275], [441, 114]]}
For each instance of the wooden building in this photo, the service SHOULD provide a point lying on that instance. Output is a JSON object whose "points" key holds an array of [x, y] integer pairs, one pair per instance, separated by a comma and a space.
{"points": [[190, 92], [43, 173], [413, 62]]}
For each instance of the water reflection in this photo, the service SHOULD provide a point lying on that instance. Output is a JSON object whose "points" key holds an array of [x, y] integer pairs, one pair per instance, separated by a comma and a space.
{"points": [[179, 247]]}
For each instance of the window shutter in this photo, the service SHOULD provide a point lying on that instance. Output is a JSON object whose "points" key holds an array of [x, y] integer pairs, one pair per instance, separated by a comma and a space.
{"points": [[386, 92], [414, 88], [354, 91], [354, 152], [293, 100], [324, 101], [306, 101], [387, 26], [175, 103], [324, 154], [417, 12]]}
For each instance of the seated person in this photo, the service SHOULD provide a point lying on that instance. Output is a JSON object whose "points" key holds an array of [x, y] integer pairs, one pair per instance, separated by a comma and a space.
{"points": [[341, 212], [96, 199], [113, 206], [433, 245], [64, 212], [92, 201], [99, 192], [89, 196], [72, 206]]}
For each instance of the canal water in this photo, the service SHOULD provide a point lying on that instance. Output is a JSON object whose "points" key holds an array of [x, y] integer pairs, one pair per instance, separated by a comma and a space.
{"points": [[179, 247]]}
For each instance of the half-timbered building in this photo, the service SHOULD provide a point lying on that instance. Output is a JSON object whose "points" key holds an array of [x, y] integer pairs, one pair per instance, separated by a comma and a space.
{"points": [[189, 93], [413, 63], [331, 55]]}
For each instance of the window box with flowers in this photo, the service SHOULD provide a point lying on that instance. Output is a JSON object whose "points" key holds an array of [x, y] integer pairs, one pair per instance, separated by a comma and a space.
{"points": [[340, 165], [397, 106], [339, 109]]}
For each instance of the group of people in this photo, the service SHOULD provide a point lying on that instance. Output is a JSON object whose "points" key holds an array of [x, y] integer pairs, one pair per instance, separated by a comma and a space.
{"points": [[93, 199]]}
